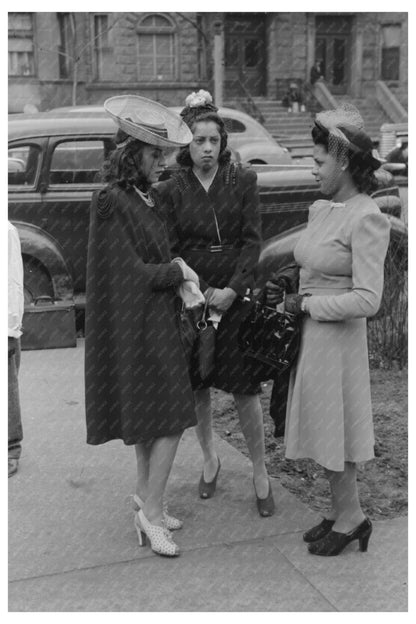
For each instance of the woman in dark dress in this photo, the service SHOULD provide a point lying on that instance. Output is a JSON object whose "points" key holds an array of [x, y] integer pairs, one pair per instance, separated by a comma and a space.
{"points": [[215, 227], [136, 379]]}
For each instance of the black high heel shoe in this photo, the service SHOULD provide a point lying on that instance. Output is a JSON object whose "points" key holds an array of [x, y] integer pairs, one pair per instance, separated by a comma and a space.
{"points": [[319, 531], [265, 506], [207, 488], [333, 543]]}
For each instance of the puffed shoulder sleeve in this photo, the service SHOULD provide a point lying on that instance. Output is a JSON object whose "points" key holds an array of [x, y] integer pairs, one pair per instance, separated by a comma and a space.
{"points": [[369, 242], [113, 244], [103, 202]]}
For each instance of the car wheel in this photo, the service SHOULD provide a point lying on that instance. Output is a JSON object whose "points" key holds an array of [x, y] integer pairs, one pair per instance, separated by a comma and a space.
{"points": [[37, 281]]}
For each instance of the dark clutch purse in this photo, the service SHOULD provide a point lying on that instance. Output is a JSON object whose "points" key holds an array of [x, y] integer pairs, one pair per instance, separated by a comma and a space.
{"points": [[188, 332], [203, 352], [269, 337]]}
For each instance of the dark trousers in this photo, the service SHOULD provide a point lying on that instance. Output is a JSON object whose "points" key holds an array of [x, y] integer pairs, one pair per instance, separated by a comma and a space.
{"points": [[15, 421]]}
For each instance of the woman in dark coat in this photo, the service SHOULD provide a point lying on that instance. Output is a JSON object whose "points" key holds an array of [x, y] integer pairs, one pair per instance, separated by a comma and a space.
{"points": [[136, 378], [215, 227]]}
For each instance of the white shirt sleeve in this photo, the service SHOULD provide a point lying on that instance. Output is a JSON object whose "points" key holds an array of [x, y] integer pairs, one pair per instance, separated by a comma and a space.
{"points": [[15, 280]]}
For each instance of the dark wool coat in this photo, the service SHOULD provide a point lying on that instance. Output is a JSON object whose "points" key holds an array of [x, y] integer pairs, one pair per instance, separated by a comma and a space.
{"points": [[136, 380], [198, 220]]}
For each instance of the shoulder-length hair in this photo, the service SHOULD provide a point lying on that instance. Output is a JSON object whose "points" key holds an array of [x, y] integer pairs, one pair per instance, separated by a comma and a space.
{"points": [[122, 166], [184, 156]]}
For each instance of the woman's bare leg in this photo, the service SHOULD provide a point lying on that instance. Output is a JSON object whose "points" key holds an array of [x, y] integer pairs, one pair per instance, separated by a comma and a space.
{"points": [[161, 457], [205, 434], [346, 503], [251, 421], [142, 459]]}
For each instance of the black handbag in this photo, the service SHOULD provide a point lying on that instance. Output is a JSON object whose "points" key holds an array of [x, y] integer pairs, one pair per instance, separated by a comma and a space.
{"points": [[270, 337], [203, 353], [188, 332]]}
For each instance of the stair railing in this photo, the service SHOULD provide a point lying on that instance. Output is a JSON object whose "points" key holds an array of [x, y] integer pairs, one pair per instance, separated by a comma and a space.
{"points": [[323, 95], [389, 103], [249, 104]]}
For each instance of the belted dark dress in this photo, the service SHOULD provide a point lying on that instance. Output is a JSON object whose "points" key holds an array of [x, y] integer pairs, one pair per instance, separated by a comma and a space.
{"points": [[218, 234], [136, 380]]}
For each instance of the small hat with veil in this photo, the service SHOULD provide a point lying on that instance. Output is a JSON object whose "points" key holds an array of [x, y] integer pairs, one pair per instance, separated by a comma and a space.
{"points": [[344, 127]]}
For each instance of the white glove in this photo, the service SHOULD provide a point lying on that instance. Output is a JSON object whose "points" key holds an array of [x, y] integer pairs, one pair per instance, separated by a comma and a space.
{"points": [[190, 294], [188, 273]]}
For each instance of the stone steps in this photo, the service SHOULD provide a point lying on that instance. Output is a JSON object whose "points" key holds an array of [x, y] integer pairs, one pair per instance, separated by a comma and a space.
{"points": [[293, 130]]}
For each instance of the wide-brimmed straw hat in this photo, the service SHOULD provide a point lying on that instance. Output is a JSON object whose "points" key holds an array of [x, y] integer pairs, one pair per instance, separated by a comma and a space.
{"points": [[148, 121]]}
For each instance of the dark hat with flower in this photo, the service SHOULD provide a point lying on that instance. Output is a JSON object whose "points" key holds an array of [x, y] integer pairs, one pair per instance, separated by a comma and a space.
{"points": [[197, 104]]}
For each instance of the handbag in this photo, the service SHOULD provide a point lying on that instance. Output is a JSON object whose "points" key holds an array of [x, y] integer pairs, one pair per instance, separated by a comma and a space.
{"points": [[188, 331], [270, 337], [203, 354]]}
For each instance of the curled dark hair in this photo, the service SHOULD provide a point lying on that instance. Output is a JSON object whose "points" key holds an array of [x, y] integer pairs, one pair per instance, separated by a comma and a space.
{"points": [[123, 164], [184, 156], [359, 163]]}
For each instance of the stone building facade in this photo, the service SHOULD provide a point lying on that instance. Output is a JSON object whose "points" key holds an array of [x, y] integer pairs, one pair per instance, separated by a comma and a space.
{"points": [[164, 56]]}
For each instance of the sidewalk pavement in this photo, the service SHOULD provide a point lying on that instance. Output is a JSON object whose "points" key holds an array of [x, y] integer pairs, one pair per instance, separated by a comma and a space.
{"points": [[73, 546]]}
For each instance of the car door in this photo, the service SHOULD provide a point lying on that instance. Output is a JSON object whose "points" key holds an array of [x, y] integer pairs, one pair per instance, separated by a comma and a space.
{"points": [[71, 176], [25, 159]]}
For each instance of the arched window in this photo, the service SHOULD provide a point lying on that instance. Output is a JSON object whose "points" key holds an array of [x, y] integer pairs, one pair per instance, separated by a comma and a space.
{"points": [[156, 48]]}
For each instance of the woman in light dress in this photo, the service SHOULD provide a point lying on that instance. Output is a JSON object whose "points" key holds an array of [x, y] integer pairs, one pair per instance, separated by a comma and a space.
{"points": [[341, 258]]}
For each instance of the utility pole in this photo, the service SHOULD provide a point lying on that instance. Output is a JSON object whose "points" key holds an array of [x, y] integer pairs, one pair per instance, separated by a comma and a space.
{"points": [[218, 63]]}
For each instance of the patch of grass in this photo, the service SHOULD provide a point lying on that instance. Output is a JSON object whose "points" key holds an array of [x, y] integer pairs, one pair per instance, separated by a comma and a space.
{"points": [[383, 481]]}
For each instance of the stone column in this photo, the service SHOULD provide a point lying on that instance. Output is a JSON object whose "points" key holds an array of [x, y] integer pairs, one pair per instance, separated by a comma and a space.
{"points": [[357, 60]]}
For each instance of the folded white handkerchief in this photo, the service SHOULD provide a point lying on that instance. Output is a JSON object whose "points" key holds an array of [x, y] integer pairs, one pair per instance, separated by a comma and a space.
{"points": [[190, 294], [214, 317]]}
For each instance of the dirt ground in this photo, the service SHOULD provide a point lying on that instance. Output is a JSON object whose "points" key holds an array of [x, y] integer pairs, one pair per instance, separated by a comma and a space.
{"points": [[382, 481]]}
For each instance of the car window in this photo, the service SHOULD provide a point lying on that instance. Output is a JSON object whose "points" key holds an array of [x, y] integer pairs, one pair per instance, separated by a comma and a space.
{"points": [[77, 162], [234, 125], [23, 165]]}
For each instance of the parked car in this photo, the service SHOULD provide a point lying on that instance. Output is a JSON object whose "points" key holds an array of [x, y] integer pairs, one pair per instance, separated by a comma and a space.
{"points": [[247, 138], [59, 156]]}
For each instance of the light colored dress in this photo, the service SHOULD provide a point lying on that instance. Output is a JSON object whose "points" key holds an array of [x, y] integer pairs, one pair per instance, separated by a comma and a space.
{"points": [[341, 254]]}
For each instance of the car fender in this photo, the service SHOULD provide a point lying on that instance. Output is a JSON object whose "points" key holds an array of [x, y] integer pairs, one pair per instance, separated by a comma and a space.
{"points": [[262, 151], [278, 251], [40, 245]]}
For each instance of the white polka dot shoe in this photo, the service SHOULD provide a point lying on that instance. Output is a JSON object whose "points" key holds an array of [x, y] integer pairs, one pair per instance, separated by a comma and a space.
{"points": [[171, 523], [161, 541]]}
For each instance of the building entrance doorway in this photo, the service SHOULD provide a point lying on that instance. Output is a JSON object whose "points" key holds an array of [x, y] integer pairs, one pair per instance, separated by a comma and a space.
{"points": [[333, 49], [244, 54]]}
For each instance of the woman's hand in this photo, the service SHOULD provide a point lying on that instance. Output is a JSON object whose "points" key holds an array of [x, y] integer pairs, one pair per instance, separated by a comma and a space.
{"points": [[220, 298], [275, 291], [293, 304], [187, 272]]}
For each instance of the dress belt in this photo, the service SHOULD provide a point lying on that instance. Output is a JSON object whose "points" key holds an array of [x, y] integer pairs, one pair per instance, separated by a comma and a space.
{"points": [[213, 248]]}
